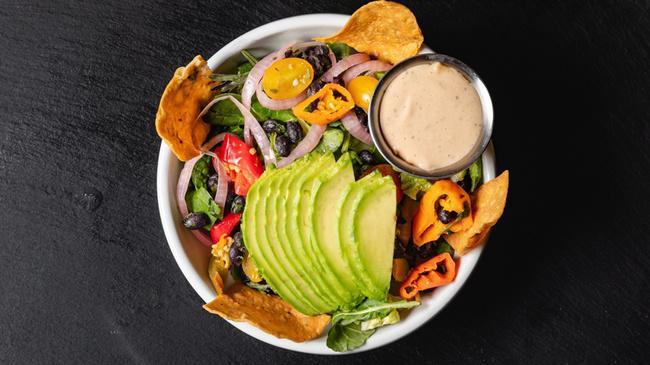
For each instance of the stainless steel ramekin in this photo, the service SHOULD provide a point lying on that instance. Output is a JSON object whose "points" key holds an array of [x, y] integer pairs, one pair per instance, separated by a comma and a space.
{"points": [[381, 143]]}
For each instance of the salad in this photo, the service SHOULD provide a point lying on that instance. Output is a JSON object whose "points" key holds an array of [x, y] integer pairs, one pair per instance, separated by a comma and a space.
{"points": [[309, 229]]}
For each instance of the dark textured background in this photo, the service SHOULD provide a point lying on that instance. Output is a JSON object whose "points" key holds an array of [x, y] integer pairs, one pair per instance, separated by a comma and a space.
{"points": [[85, 272]]}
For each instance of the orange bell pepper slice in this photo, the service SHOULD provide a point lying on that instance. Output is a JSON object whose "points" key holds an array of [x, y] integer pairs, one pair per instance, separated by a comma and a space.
{"points": [[446, 200], [332, 102], [438, 271]]}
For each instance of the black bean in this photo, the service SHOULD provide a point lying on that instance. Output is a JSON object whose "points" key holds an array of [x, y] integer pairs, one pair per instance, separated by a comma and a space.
{"points": [[270, 126], [466, 182], [238, 204], [447, 216], [238, 240], [283, 146], [229, 198], [237, 250], [195, 220], [294, 132], [366, 157], [213, 182]]}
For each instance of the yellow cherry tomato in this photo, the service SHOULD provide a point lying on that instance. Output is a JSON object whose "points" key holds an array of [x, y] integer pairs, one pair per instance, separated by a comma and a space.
{"points": [[287, 78], [361, 88]]}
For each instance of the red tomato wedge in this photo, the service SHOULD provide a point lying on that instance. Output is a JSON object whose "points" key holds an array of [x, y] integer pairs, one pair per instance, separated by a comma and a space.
{"points": [[227, 224], [241, 162]]}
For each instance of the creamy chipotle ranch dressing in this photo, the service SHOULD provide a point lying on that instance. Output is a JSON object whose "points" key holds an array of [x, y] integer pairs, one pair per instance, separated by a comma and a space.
{"points": [[431, 116]]}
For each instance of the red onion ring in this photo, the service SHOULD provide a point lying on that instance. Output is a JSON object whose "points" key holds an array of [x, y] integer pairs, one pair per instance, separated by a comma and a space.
{"points": [[255, 128], [181, 190], [207, 146], [280, 104], [370, 66], [254, 77], [352, 123], [306, 145], [222, 184], [332, 57], [343, 65]]}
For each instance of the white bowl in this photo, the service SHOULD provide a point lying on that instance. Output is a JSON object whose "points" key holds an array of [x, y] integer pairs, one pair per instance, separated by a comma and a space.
{"points": [[192, 257]]}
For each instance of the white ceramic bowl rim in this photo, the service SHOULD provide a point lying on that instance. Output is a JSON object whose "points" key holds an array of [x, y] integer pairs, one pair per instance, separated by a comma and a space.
{"points": [[192, 257]]}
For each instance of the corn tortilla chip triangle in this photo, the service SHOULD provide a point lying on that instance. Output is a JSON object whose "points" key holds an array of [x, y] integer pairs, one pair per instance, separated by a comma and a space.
{"points": [[488, 203], [185, 95], [268, 313], [383, 29]]}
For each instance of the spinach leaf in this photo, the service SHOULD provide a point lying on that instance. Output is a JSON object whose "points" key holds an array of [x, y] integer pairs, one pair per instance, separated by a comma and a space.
{"points": [[261, 113], [225, 112], [412, 185], [346, 338], [200, 201], [351, 329], [201, 172], [331, 141], [476, 173], [341, 50]]}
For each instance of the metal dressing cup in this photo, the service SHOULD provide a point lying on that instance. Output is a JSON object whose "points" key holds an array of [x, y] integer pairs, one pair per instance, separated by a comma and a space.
{"points": [[385, 149]]}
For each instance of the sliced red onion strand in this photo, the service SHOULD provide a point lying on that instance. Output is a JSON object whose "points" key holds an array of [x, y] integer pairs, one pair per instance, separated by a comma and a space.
{"points": [[256, 130], [332, 57], [207, 146], [352, 123], [247, 91], [254, 77], [222, 184], [280, 104], [306, 145], [181, 190], [343, 65], [370, 66]]}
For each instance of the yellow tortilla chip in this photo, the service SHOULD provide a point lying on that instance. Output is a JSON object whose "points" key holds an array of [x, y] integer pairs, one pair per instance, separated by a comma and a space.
{"points": [[462, 243], [384, 29], [488, 203], [268, 313], [183, 99]]}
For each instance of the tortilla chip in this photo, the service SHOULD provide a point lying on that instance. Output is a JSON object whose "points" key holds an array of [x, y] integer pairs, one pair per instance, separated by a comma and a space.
{"points": [[488, 203], [384, 29], [185, 95], [463, 243], [268, 313]]}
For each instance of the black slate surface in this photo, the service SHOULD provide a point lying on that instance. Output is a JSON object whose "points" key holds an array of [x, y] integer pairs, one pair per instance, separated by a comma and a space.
{"points": [[85, 272]]}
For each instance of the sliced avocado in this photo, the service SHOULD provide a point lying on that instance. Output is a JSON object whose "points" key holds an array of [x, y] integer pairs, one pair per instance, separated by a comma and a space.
{"points": [[377, 209], [258, 244], [325, 193], [287, 252], [303, 257], [354, 216]]}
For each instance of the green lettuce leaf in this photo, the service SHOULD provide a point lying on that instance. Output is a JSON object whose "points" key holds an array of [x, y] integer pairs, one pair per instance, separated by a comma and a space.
{"points": [[225, 113], [350, 329], [346, 338], [476, 173], [341, 50], [331, 141], [201, 172], [262, 113], [200, 201], [412, 185]]}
